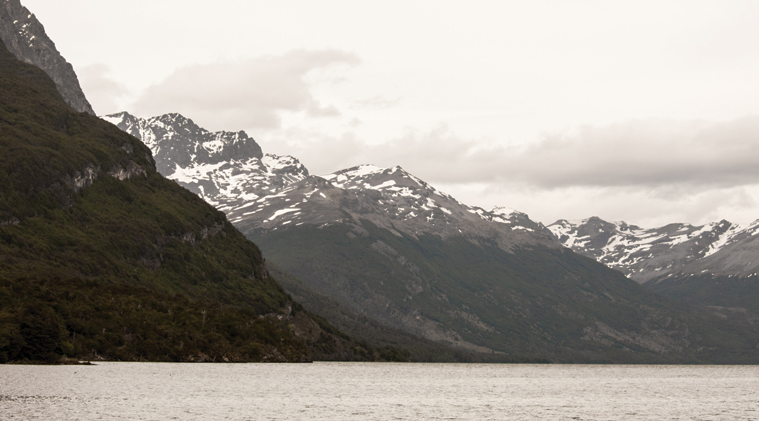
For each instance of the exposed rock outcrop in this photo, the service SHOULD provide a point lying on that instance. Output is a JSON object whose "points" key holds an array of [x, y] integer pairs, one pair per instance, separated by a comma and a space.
{"points": [[25, 38]]}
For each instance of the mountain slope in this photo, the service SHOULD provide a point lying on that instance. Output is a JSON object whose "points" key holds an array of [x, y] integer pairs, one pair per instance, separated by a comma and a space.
{"points": [[392, 343], [25, 37], [93, 239], [643, 254], [713, 265], [726, 278], [385, 245]]}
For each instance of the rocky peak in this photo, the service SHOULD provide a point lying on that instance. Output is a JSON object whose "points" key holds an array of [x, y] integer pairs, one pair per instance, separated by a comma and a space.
{"points": [[25, 38], [644, 253], [226, 169], [177, 142], [390, 198], [395, 180], [504, 215], [266, 192]]}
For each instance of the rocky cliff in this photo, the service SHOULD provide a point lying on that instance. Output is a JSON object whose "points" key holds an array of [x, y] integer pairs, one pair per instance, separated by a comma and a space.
{"points": [[25, 37]]}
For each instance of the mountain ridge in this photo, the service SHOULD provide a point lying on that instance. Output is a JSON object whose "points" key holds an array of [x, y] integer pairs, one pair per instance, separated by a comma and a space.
{"points": [[646, 254], [711, 265], [187, 153], [25, 37], [391, 247]]}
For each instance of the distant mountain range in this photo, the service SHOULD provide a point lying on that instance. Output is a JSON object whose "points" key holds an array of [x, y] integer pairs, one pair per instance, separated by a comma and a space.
{"points": [[714, 264], [675, 249], [229, 170], [389, 246]]}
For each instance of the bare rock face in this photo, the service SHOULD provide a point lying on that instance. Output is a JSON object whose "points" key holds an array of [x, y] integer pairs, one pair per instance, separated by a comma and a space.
{"points": [[644, 254], [25, 38], [226, 169], [390, 198]]}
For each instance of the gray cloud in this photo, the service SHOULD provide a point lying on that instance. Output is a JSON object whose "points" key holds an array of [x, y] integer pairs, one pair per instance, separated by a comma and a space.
{"points": [[246, 94], [101, 90], [638, 205], [647, 152], [674, 156], [646, 172]]}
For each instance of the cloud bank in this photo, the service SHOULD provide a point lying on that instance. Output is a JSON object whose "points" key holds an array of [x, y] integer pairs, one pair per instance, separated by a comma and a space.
{"points": [[647, 172], [246, 94], [650, 153]]}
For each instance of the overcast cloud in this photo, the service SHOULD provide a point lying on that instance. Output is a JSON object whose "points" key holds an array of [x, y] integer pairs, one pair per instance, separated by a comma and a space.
{"points": [[644, 111], [646, 172], [245, 94], [644, 153], [102, 91]]}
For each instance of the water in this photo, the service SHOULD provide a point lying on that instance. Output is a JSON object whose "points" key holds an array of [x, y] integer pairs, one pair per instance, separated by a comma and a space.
{"points": [[370, 391]]}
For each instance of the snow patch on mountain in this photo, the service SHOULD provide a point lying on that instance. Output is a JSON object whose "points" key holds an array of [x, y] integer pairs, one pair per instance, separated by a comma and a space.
{"points": [[227, 169], [261, 191], [645, 253]]}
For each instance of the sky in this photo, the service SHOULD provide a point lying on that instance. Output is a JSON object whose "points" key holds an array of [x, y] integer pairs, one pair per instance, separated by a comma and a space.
{"points": [[644, 111]]}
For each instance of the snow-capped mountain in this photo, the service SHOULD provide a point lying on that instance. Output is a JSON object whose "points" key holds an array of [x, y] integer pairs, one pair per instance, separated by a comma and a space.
{"points": [[395, 249], [25, 38], [388, 197], [263, 191], [734, 254], [227, 169], [644, 254], [726, 279]]}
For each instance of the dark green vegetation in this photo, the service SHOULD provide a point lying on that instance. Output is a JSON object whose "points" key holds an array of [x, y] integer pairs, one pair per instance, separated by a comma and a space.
{"points": [[99, 254], [538, 301], [42, 320]]}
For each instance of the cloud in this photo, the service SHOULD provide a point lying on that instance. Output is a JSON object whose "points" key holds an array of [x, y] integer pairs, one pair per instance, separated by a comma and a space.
{"points": [[315, 109], [657, 154], [652, 153], [633, 204], [647, 172], [101, 91], [248, 94]]}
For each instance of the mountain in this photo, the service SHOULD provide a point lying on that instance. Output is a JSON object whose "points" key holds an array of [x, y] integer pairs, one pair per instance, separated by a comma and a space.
{"points": [[390, 198], [227, 169], [714, 264], [25, 37], [644, 254], [385, 246], [101, 257], [725, 279]]}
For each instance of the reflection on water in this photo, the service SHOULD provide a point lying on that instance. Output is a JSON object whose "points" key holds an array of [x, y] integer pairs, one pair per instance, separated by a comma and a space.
{"points": [[377, 391]]}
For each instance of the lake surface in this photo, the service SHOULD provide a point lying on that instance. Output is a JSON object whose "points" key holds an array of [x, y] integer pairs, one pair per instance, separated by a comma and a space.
{"points": [[377, 391]]}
